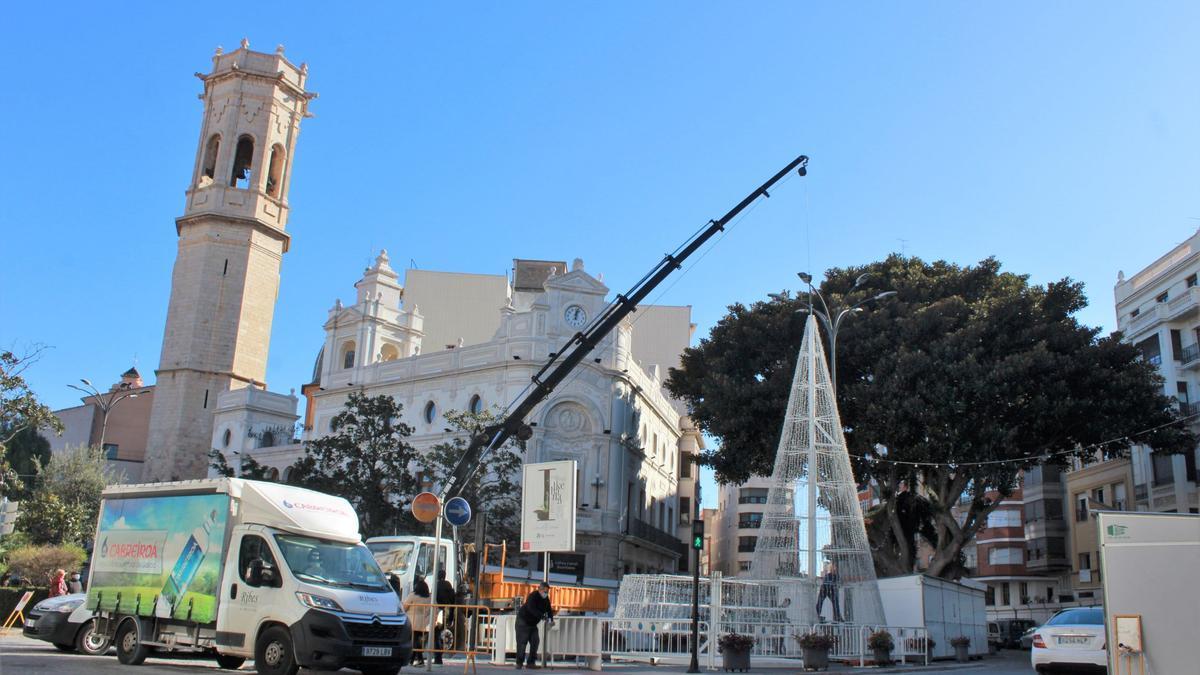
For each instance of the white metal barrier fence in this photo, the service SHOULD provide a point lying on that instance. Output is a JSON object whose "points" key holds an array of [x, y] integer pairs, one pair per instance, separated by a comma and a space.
{"points": [[670, 641]]}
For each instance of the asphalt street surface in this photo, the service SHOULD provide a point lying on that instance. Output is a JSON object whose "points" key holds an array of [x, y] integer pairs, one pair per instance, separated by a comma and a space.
{"points": [[20, 655]]}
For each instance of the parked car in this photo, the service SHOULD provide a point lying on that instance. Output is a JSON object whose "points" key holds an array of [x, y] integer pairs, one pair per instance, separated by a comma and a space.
{"points": [[1011, 630], [1027, 638], [1071, 638], [995, 640], [66, 623]]}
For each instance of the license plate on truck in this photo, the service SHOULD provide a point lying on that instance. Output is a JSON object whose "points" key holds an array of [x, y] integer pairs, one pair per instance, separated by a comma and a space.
{"points": [[377, 651]]}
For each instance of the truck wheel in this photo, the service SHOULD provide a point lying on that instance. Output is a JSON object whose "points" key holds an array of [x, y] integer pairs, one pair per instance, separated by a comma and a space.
{"points": [[230, 662], [130, 650], [88, 641], [274, 654]]}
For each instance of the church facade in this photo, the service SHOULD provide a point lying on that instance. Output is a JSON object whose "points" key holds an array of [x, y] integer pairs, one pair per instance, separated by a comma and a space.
{"points": [[611, 415]]}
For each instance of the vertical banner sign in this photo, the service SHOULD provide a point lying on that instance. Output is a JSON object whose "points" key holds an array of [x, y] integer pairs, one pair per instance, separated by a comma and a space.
{"points": [[548, 507]]}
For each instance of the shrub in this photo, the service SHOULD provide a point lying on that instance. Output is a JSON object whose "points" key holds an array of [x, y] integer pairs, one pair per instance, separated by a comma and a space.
{"points": [[38, 563], [735, 642], [960, 641], [816, 641], [881, 639]]}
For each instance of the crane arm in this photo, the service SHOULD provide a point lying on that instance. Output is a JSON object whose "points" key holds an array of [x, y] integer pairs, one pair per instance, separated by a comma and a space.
{"points": [[582, 343]]}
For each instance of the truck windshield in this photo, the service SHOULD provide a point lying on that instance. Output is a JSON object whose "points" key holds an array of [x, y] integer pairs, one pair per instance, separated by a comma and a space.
{"points": [[331, 563], [393, 556]]}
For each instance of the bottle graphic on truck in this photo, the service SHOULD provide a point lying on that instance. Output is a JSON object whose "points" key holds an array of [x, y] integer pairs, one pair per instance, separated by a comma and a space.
{"points": [[185, 568]]}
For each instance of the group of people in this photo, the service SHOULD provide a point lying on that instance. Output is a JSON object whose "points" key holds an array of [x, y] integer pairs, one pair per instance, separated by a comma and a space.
{"points": [[418, 607]]}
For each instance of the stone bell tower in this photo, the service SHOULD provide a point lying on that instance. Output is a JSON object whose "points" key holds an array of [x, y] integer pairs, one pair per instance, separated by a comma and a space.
{"points": [[231, 242]]}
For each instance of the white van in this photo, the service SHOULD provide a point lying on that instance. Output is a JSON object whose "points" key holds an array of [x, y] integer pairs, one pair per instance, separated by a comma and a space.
{"points": [[242, 570]]}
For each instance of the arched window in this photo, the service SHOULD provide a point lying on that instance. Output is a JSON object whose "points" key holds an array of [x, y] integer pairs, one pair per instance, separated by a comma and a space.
{"points": [[273, 474], [243, 159], [430, 412], [209, 168], [389, 352], [275, 170], [476, 405], [267, 440], [226, 437], [348, 354]]}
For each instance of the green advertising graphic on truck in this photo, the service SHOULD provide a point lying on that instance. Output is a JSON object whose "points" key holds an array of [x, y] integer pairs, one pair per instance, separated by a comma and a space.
{"points": [[161, 554], [241, 570]]}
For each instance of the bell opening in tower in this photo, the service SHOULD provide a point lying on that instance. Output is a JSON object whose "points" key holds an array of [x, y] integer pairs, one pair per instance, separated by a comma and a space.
{"points": [[243, 158]]}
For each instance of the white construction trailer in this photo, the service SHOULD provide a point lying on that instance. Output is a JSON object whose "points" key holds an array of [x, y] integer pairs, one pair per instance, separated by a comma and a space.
{"points": [[1149, 563], [947, 609]]}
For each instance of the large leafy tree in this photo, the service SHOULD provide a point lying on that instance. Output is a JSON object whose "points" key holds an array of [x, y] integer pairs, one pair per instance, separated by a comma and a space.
{"points": [[964, 364], [366, 459], [495, 488], [20, 411], [65, 503]]}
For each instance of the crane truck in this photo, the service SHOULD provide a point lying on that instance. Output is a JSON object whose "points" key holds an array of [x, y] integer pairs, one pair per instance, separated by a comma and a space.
{"points": [[400, 555]]}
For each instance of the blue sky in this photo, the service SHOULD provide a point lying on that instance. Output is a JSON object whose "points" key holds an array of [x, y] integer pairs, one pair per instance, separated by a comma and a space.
{"points": [[1060, 137]]}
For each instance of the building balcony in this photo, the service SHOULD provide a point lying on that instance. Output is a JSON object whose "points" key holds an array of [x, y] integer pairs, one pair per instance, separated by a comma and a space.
{"points": [[652, 535], [1189, 356]]}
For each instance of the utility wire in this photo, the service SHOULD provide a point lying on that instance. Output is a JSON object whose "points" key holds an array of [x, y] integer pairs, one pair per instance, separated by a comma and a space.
{"points": [[1128, 438]]}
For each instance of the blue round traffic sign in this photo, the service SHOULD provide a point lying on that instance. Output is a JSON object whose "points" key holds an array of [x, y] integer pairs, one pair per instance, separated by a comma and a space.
{"points": [[457, 511]]}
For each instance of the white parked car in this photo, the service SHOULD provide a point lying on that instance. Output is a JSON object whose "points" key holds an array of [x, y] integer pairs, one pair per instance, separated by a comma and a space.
{"points": [[66, 623], [1072, 638]]}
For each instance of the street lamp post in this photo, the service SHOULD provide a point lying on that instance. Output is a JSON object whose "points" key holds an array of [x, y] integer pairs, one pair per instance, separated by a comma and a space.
{"points": [[833, 321], [122, 392]]}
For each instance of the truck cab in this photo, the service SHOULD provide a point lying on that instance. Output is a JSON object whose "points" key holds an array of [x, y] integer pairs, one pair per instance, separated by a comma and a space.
{"points": [[409, 557]]}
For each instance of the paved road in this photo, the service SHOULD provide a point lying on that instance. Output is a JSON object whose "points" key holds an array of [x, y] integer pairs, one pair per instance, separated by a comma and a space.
{"points": [[20, 655]]}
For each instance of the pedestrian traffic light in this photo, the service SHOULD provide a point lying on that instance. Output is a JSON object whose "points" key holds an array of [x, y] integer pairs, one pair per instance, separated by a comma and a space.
{"points": [[698, 534]]}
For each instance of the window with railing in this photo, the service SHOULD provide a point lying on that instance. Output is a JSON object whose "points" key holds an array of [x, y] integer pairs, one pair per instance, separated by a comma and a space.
{"points": [[746, 544], [752, 520]]}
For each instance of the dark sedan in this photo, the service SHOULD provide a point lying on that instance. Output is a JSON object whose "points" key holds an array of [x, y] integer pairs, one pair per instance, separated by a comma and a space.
{"points": [[66, 623]]}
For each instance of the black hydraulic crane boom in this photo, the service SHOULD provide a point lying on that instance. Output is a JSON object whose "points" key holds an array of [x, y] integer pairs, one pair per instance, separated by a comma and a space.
{"points": [[573, 352]]}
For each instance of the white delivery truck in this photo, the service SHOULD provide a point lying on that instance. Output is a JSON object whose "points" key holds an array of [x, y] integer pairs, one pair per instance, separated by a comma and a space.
{"points": [[242, 570]]}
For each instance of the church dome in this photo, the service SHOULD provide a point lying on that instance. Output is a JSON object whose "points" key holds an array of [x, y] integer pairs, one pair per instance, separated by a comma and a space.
{"points": [[316, 376]]}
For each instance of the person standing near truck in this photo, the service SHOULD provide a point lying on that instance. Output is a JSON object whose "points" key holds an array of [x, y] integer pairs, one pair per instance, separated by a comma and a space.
{"points": [[58, 584], [536, 607], [417, 607]]}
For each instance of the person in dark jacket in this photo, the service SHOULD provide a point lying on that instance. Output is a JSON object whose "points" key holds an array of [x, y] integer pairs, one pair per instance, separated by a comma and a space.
{"points": [[536, 607], [445, 596]]}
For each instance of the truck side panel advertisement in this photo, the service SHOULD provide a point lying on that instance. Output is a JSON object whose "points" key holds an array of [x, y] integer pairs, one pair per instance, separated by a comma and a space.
{"points": [[159, 556]]}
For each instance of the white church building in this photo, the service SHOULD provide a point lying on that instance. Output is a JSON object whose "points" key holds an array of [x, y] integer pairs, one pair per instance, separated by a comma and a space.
{"points": [[449, 341]]}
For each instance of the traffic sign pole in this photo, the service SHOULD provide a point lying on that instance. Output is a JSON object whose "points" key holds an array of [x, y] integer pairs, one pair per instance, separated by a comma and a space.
{"points": [[437, 549]]}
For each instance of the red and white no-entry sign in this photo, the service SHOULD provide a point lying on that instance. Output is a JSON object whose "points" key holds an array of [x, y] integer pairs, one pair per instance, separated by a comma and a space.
{"points": [[426, 507]]}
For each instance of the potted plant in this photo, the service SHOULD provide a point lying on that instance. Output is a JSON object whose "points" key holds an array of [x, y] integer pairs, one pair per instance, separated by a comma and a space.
{"points": [[960, 645], [815, 647], [735, 651], [882, 644]]}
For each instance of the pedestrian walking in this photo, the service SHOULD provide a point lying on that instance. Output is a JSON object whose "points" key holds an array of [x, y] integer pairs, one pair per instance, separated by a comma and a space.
{"points": [[58, 583], [536, 607], [417, 607], [76, 583]]}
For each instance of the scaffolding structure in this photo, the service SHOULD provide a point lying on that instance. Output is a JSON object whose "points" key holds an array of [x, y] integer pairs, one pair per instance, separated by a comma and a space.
{"points": [[813, 539]]}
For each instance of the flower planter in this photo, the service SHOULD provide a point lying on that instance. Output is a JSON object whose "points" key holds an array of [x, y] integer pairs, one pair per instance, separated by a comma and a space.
{"points": [[883, 657], [816, 659], [735, 660], [961, 654]]}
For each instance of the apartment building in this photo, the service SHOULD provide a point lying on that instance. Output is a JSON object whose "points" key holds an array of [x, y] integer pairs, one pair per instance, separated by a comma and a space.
{"points": [[1105, 485], [741, 513], [1158, 309]]}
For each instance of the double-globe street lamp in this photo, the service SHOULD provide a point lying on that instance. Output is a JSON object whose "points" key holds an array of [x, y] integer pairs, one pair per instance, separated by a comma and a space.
{"points": [[831, 320], [123, 391]]}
